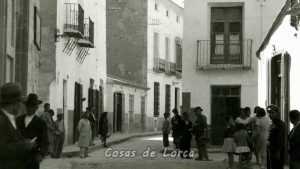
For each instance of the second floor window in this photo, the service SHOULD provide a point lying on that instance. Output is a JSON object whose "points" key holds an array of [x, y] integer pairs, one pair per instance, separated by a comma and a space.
{"points": [[156, 45], [226, 35], [167, 46]]}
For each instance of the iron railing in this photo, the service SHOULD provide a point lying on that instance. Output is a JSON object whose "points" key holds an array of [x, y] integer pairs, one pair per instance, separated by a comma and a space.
{"points": [[163, 66], [74, 20], [222, 55], [88, 37], [89, 30]]}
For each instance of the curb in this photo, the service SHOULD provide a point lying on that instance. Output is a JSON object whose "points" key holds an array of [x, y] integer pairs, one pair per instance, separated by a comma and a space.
{"points": [[99, 146]]}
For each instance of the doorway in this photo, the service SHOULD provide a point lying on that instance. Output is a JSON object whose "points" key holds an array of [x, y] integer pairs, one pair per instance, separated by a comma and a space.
{"points": [[118, 112], [225, 101], [77, 109]]}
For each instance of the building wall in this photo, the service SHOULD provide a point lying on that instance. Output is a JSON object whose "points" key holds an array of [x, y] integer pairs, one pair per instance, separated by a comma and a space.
{"points": [[127, 126], [47, 69], [283, 40], [64, 66], [127, 40], [197, 27], [3, 38], [27, 53], [165, 26]]}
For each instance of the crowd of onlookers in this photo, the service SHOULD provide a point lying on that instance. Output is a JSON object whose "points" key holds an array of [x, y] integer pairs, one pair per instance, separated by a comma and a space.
{"points": [[183, 130], [263, 136], [28, 136], [245, 136]]}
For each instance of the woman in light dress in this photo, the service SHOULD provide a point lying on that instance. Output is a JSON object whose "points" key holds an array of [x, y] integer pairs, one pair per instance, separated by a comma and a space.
{"points": [[260, 136], [85, 135]]}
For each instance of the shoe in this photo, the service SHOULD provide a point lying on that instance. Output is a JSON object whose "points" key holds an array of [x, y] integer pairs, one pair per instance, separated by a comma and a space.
{"points": [[199, 159]]}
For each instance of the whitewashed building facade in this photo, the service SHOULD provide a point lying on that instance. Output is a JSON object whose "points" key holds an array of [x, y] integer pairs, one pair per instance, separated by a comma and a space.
{"points": [[279, 62], [220, 69], [73, 63]]}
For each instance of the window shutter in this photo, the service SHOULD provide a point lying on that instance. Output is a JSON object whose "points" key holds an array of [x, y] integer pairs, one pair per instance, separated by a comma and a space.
{"points": [[156, 99], [167, 99]]}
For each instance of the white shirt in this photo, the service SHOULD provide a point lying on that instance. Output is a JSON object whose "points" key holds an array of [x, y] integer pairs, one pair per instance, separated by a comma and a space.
{"points": [[11, 118], [28, 119]]}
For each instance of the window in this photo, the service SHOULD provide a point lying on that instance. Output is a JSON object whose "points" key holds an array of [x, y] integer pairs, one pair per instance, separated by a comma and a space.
{"points": [[177, 19], [226, 35], [9, 69], [167, 99], [167, 47], [156, 99], [131, 111], [156, 45], [167, 13], [156, 6], [178, 55]]}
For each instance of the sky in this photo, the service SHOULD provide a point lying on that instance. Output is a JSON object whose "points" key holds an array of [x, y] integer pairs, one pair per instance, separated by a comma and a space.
{"points": [[180, 2]]}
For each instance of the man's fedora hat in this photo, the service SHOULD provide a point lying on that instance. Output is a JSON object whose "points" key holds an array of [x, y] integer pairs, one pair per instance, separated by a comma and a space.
{"points": [[272, 108], [10, 93], [32, 100]]}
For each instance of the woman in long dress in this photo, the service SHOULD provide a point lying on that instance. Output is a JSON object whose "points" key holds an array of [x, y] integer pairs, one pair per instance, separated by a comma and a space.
{"points": [[85, 135], [260, 136]]}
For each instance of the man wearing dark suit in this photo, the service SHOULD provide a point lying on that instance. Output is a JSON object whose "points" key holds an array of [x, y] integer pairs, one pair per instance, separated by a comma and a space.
{"points": [[33, 127], [14, 148], [276, 139], [294, 140]]}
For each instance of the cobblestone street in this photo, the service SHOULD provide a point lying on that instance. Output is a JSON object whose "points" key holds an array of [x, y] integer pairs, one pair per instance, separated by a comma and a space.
{"points": [[101, 159]]}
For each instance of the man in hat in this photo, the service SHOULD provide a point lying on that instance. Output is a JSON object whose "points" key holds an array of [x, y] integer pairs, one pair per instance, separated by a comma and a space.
{"points": [[33, 127], [200, 131], [294, 140], [60, 135], [46, 116], [177, 128], [14, 148], [276, 139]]}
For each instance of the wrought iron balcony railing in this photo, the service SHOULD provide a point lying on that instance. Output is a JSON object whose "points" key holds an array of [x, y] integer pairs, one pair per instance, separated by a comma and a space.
{"points": [[88, 38], [171, 68], [74, 20], [159, 65], [224, 55], [163, 66]]}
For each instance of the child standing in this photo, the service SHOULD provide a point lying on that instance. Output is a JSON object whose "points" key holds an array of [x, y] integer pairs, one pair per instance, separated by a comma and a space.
{"points": [[241, 138], [85, 135], [229, 143], [166, 127]]}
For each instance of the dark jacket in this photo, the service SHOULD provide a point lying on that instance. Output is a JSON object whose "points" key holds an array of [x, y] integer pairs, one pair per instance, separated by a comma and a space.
{"points": [[36, 128], [276, 145], [13, 149], [294, 144], [177, 125], [103, 126]]}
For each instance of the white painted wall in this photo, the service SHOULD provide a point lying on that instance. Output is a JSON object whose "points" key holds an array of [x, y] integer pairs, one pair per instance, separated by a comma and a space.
{"points": [[126, 91], [284, 40], [93, 67], [165, 27], [257, 20]]}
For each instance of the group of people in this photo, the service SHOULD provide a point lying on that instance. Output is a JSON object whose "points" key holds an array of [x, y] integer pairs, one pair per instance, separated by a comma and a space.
{"points": [[86, 129], [28, 136], [183, 130], [262, 136], [24, 140]]}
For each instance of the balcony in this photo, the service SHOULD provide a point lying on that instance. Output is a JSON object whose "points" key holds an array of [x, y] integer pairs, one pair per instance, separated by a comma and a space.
{"points": [[159, 65], [220, 55], [74, 20], [170, 68], [88, 38]]}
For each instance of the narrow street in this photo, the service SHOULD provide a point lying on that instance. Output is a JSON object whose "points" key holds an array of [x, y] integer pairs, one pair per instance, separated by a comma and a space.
{"points": [[107, 158]]}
